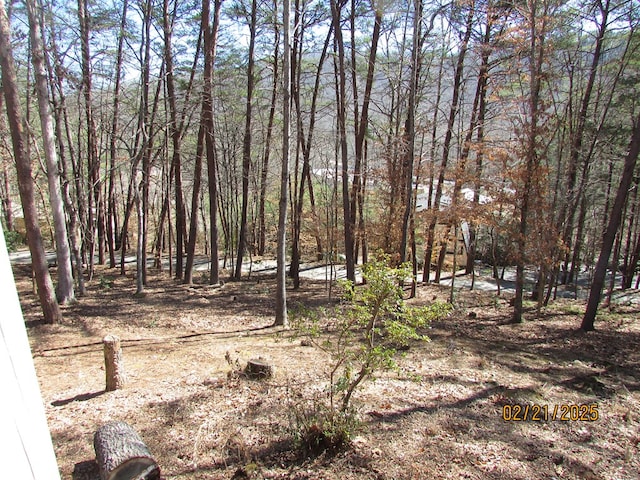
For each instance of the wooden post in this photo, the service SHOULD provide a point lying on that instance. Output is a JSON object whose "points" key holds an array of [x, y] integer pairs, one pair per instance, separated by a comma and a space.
{"points": [[113, 363], [122, 455]]}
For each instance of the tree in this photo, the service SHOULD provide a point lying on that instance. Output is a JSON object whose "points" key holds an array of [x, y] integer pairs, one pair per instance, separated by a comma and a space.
{"points": [[262, 228], [537, 18], [454, 110], [210, 33], [176, 137], [410, 130], [281, 278], [361, 125], [246, 143], [569, 206], [341, 103], [408, 223], [304, 143], [75, 209], [95, 199], [46, 294], [64, 290], [112, 224], [486, 47], [612, 228]]}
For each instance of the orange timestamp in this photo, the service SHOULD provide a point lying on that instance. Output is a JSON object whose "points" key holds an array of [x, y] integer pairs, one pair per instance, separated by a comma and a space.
{"points": [[543, 413]]}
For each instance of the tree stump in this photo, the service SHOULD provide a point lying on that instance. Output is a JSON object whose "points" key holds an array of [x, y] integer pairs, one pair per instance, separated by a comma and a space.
{"points": [[113, 363], [258, 368], [122, 455]]}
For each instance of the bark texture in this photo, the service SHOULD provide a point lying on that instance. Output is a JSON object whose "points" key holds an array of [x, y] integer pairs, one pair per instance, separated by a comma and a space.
{"points": [[64, 291], [122, 455], [113, 363], [46, 294], [609, 236], [258, 368]]}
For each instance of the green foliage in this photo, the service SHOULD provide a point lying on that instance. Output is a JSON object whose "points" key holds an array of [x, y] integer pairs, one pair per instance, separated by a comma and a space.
{"points": [[13, 240], [105, 282], [317, 428], [364, 335]]}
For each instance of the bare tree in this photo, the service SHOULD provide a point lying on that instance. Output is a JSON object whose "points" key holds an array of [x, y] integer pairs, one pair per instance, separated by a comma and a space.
{"points": [[408, 230], [537, 18], [95, 198], [74, 209], [361, 123], [112, 224], [612, 228], [246, 143], [64, 290], [210, 33], [303, 144], [262, 228], [50, 307], [281, 278], [341, 93], [454, 110], [176, 137]]}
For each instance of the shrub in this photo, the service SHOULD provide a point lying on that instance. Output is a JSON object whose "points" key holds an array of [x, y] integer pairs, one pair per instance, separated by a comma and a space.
{"points": [[13, 240], [365, 335]]}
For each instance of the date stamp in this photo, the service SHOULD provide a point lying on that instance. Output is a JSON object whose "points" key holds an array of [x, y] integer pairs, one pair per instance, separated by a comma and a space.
{"points": [[557, 412]]}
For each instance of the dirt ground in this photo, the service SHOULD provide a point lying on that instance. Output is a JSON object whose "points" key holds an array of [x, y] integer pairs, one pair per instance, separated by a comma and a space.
{"points": [[439, 417]]}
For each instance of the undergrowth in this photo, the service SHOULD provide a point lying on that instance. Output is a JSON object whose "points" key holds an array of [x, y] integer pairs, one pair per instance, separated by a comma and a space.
{"points": [[363, 335]]}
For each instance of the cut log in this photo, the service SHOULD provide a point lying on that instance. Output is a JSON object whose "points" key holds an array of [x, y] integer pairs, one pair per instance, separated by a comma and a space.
{"points": [[113, 363], [258, 368], [122, 455]]}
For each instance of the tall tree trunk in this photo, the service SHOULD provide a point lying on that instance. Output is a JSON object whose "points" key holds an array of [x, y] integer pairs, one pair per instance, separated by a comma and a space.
{"points": [[112, 224], [483, 77], [262, 228], [176, 139], [446, 147], [140, 246], [306, 157], [75, 222], [431, 228], [193, 225], [64, 291], [147, 161], [210, 42], [410, 136], [572, 198], [46, 294], [93, 162], [76, 209], [297, 188], [632, 230], [531, 172], [362, 123], [610, 232], [340, 69], [191, 238], [140, 152], [246, 144], [281, 278]]}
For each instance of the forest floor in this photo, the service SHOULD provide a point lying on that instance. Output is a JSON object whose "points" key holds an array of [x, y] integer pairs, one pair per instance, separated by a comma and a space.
{"points": [[440, 416]]}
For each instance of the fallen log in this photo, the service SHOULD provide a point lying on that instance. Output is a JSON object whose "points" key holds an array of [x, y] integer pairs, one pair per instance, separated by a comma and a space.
{"points": [[122, 455]]}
